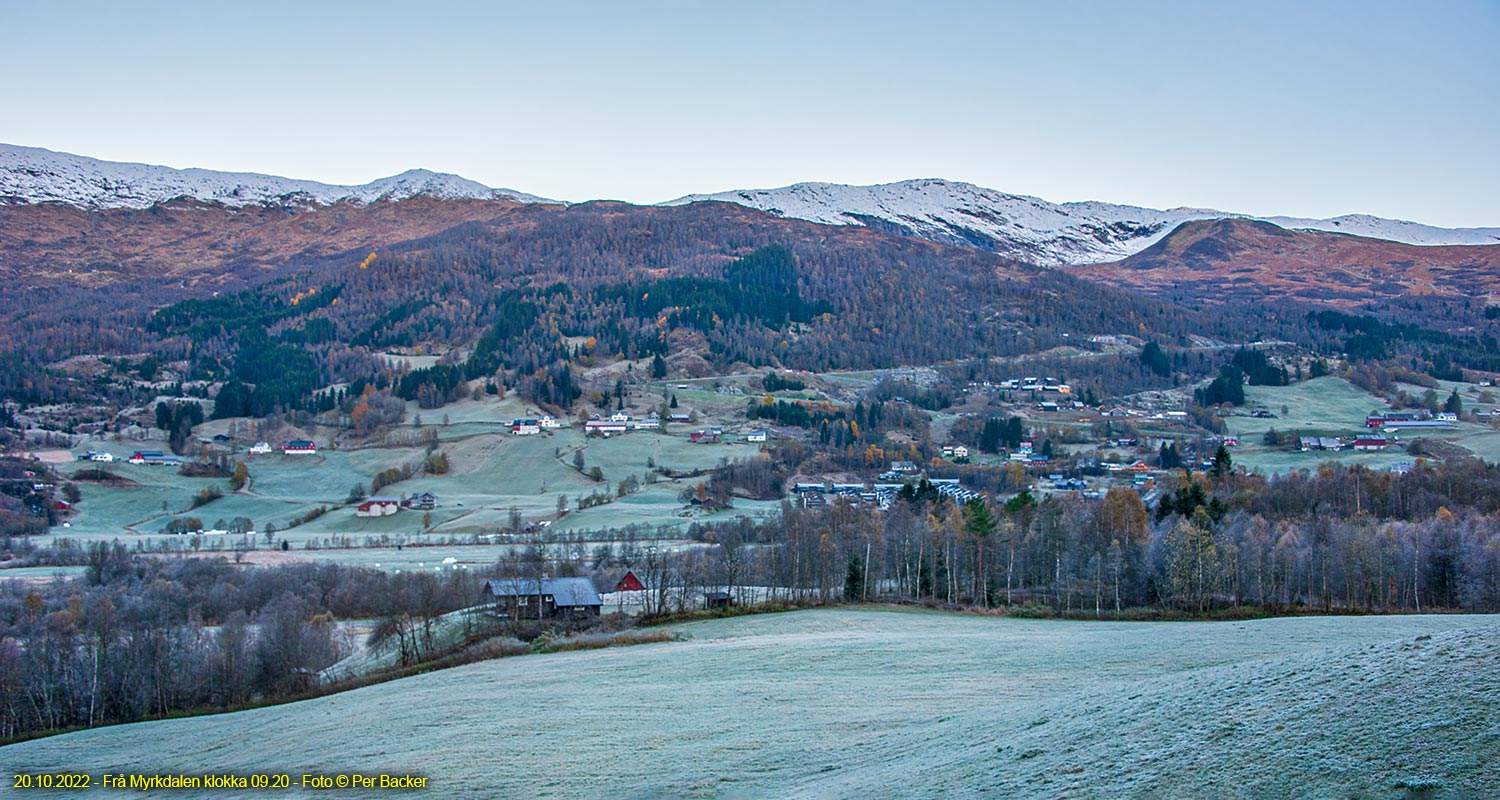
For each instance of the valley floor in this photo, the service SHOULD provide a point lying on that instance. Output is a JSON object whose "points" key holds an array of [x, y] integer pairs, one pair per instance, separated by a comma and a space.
{"points": [[875, 702]]}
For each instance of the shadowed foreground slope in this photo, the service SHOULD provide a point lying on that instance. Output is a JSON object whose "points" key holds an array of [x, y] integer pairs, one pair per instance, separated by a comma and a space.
{"points": [[855, 702]]}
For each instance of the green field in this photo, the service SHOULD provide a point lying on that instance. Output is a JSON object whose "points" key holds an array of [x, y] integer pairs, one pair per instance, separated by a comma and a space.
{"points": [[491, 473], [1331, 406], [891, 704]]}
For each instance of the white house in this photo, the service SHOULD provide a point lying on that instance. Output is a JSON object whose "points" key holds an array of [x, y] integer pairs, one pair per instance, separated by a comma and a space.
{"points": [[619, 416], [755, 436], [548, 421], [260, 448]]}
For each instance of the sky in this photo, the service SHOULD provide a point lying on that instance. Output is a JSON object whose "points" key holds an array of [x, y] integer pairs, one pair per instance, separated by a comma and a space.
{"points": [[1304, 108]]}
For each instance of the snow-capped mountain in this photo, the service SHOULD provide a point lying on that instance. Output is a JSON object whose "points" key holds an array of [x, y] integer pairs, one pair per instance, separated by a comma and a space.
{"points": [[1021, 227], [34, 175], [1034, 230]]}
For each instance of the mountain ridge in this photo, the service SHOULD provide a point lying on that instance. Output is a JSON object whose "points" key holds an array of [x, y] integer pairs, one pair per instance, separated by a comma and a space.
{"points": [[1015, 226], [33, 175], [1036, 230]]}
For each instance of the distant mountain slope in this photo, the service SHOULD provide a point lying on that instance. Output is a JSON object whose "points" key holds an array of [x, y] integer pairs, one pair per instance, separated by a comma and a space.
{"points": [[1034, 230], [1226, 259], [33, 175]]}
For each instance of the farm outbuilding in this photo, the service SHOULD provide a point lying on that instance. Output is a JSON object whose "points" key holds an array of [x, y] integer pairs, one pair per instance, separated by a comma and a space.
{"points": [[717, 600], [517, 598], [378, 507], [630, 583]]}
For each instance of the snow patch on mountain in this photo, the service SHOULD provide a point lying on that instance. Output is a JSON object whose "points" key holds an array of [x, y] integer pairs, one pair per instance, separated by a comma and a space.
{"points": [[1035, 230], [34, 175]]}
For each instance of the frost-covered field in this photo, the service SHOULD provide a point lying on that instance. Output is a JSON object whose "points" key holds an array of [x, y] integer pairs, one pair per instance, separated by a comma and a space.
{"points": [[881, 703]]}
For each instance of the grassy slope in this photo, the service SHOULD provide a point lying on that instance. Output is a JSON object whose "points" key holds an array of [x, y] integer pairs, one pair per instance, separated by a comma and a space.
{"points": [[492, 472], [856, 702], [1331, 406]]}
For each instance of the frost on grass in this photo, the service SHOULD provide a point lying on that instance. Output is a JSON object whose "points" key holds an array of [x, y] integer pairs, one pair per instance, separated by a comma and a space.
{"points": [[880, 703]]}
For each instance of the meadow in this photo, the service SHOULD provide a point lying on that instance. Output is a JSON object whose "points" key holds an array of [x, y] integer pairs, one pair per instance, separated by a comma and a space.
{"points": [[877, 702], [1331, 406]]}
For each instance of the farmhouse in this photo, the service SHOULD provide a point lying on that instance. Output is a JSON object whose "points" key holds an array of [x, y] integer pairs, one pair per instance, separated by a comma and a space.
{"points": [[422, 501], [299, 447], [619, 416], [525, 427], [547, 422], [650, 423], [98, 455], [260, 448], [518, 598], [378, 507], [755, 436]]}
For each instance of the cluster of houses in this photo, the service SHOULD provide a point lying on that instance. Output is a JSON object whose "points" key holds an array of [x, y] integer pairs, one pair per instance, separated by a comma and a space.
{"points": [[881, 495], [1364, 441], [385, 505], [295, 447], [534, 426], [631, 583], [1025, 453], [956, 452], [621, 422]]}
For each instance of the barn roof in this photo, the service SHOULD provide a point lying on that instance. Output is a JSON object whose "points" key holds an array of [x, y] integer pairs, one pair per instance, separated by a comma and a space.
{"points": [[564, 591]]}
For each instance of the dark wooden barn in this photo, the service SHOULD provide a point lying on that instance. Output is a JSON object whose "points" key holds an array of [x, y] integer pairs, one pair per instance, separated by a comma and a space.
{"points": [[526, 598]]}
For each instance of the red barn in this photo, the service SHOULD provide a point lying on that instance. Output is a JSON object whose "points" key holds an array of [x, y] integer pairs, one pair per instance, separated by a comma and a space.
{"points": [[630, 583]]}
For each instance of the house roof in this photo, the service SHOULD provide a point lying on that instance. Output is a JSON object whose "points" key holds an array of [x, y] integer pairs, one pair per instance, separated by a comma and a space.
{"points": [[564, 591], [384, 499]]}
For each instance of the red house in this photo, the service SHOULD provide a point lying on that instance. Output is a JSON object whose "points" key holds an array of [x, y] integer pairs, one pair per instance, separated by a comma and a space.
{"points": [[630, 583]]}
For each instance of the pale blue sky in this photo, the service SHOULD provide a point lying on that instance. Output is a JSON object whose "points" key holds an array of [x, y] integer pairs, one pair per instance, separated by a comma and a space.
{"points": [[1299, 108]]}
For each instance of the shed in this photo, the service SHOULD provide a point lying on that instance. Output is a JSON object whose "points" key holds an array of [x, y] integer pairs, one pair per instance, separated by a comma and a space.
{"points": [[717, 600]]}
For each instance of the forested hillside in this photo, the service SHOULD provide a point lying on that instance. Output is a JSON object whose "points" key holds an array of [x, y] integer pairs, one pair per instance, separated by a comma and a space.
{"points": [[505, 294]]}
